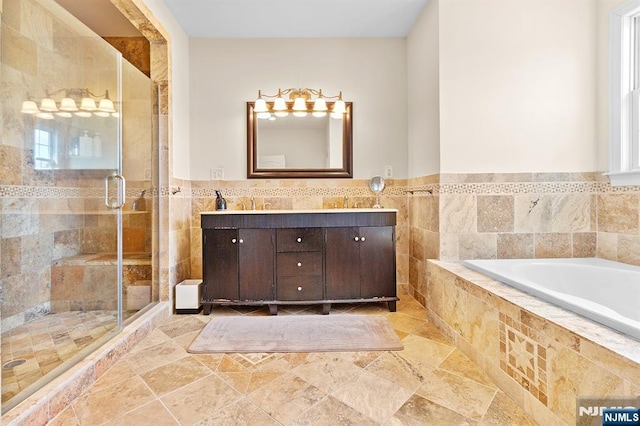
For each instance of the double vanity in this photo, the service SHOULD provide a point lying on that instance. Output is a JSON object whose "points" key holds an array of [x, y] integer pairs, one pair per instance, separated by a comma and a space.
{"points": [[290, 257]]}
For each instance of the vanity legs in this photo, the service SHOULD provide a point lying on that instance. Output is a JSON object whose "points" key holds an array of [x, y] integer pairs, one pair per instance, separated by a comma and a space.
{"points": [[392, 306], [273, 309], [326, 307]]}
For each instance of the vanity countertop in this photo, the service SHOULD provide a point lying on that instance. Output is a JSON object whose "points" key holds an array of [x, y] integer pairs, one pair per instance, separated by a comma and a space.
{"points": [[301, 211], [303, 218]]}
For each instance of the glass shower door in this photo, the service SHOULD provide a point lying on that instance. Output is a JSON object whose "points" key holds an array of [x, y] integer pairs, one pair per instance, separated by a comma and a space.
{"points": [[67, 216]]}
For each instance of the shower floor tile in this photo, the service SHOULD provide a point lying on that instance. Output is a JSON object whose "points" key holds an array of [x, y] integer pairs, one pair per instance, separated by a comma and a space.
{"points": [[33, 350]]}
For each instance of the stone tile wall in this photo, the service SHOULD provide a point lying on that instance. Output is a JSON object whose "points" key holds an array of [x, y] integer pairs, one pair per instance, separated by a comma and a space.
{"points": [[544, 357], [521, 215], [51, 214], [618, 224]]}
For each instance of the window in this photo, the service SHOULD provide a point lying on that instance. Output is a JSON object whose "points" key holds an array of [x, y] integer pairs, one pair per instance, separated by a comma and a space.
{"points": [[624, 77], [44, 147]]}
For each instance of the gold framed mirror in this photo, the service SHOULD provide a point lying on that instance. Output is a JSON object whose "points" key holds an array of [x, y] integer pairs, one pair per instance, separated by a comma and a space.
{"points": [[298, 144]]}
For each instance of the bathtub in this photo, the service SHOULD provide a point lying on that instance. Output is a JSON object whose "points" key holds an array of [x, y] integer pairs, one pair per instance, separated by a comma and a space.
{"points": [[601, 290]]}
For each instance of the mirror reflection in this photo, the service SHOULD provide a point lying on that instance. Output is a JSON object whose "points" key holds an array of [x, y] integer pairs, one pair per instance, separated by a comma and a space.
{"points": [[295, 144], [300, 142]]}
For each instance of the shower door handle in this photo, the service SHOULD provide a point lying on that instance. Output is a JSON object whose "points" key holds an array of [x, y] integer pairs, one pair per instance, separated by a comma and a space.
{"points": [[119, 202]]}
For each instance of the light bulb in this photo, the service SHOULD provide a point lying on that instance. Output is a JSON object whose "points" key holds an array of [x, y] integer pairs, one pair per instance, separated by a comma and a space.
{"points": [[45, 115], [319, 113], [88, 104], [300, 113], [48, 104], [279, 104], [260, 106], [106, 105], [339, 107], [299, 105], [68, 104], [320, 105], [29, 107]]}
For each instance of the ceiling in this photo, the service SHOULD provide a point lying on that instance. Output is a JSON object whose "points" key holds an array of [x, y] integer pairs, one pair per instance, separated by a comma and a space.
{"points": [[295, 18], [264, 18]]}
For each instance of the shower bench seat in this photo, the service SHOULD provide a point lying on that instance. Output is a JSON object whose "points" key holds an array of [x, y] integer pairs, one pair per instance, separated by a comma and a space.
{"points": [[89, 282]]}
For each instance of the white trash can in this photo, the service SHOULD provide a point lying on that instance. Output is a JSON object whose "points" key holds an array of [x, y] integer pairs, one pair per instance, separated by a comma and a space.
{"points": [[188, 297]]}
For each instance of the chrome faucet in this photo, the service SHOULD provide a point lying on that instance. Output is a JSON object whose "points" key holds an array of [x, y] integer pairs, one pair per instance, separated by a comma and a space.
{"points": [[345, 203]]}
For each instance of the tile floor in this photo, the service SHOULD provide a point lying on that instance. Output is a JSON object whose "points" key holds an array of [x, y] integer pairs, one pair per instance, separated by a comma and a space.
{"points": [[429, 382], [46, 343]]}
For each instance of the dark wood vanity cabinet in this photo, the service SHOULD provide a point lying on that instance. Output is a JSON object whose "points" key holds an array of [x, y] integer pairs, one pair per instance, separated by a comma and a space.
{"points": [[238, 264], [360, 263], [275, 258]]}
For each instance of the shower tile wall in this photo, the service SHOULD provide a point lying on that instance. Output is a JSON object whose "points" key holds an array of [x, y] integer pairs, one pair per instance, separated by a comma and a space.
{"points": [[43, 211], [520, 215]]}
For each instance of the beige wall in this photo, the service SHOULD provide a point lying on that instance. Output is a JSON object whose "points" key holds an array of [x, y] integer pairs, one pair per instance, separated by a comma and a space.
{"points": [[518, 86], [226, 73], [423, 80]]}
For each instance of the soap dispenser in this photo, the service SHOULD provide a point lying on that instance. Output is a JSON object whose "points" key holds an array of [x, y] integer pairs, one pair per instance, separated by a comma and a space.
{"points": [[221, 203], [139, 204]]}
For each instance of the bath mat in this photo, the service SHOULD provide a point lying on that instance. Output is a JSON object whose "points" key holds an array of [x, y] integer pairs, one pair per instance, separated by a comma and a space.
{"points": [[297, 333]]}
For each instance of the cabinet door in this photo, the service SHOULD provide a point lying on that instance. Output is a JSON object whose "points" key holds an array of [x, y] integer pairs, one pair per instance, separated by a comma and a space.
{"points": [[256, 262], [377, 262], [220, 263], [342, 263]]}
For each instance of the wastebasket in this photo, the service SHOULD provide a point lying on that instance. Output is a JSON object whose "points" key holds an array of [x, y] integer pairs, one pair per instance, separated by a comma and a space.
{"points": [[188, 296]]}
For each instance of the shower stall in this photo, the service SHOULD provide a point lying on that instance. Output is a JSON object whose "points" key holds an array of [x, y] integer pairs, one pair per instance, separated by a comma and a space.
{"points": [[78, 194]]}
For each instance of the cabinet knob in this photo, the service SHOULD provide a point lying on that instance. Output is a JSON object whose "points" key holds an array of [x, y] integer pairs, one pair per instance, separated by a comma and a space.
{"points": [[299, 288], [299, 264], [361, 238], [356, 239], [241, 241], [233, 241], [299, 239]]}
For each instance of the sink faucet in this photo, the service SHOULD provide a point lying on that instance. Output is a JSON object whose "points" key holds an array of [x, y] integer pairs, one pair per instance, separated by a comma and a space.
{"points": [[345, 203], [253, 203], [266, 206]]}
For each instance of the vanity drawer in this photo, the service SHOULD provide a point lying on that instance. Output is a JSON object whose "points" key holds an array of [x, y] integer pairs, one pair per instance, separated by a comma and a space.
{"points": [[299, 288], [299, 264], [299, 239]]}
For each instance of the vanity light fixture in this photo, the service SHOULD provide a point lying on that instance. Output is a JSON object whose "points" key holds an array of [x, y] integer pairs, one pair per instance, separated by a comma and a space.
{"points": [[68, 105], [299, 98]]}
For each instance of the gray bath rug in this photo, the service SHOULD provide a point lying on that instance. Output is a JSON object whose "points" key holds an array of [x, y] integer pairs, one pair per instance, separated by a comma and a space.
{"points": [[297, 333]]}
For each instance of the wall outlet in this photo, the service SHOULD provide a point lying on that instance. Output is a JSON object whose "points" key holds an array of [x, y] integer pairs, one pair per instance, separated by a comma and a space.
{"points": [[388, 171], [217, 174]]}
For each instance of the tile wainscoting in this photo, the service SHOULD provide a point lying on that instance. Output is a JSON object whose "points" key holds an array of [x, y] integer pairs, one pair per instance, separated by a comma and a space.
{"points": [[542, 356]]}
